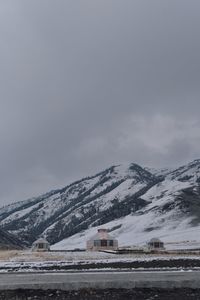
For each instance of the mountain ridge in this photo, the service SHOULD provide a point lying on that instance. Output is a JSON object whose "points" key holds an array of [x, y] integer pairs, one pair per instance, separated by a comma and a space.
{"points": [[116, 193]]}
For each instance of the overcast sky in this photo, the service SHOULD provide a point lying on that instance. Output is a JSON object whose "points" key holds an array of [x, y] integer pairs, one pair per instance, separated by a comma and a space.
{"points": [[87, 84]]}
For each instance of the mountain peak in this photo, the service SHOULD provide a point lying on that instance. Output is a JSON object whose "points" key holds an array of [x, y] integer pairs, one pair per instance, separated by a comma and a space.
{"points": [[189, 172], [123, 197]]}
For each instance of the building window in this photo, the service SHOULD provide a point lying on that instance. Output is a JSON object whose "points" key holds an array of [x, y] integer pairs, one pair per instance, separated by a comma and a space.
{"points": [[110, 243], [40, 246], [97, 243]]}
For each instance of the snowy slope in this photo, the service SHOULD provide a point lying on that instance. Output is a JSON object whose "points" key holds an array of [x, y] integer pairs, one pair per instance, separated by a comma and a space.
{"points": [[177, 235], [110, 194], [155, 219], [132, 202], [170, 215]]}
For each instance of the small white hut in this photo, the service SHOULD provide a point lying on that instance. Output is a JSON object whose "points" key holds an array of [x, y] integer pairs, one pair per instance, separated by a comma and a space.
{"points": [[102, 241], [155, 244], [41, 245]]}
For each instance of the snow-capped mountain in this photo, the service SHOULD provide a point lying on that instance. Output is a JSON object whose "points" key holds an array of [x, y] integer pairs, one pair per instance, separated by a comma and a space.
{"points": [[132, 202]]}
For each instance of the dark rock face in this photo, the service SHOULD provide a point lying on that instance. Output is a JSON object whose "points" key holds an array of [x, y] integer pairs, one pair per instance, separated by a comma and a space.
{"points": [[109, 195], [9, 241], [189, 202]]}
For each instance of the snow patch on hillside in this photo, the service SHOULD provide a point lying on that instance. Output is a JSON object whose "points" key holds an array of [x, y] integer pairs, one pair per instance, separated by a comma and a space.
{"points": [[137, 230]]}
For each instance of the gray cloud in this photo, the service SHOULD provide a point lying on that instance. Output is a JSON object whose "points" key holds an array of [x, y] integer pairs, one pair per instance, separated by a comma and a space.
{"points": [[85, 84]]}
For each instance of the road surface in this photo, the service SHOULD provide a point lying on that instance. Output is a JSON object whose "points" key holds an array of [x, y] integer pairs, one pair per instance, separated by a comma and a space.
{"points": [[100, 280]]}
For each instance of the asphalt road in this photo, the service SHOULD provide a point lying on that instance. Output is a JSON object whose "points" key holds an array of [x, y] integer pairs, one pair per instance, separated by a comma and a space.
{"points": [[100, 280]]}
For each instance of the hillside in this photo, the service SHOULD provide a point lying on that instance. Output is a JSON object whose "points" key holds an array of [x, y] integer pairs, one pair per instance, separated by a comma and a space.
{"points": [[9, 241], [134, 203]]}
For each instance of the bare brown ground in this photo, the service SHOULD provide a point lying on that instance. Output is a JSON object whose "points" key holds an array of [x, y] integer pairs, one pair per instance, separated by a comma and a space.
{"points": [[24, 256]]}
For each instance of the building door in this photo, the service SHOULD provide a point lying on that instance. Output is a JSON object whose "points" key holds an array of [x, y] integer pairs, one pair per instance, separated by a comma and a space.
{"points": [[103, 243]]}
